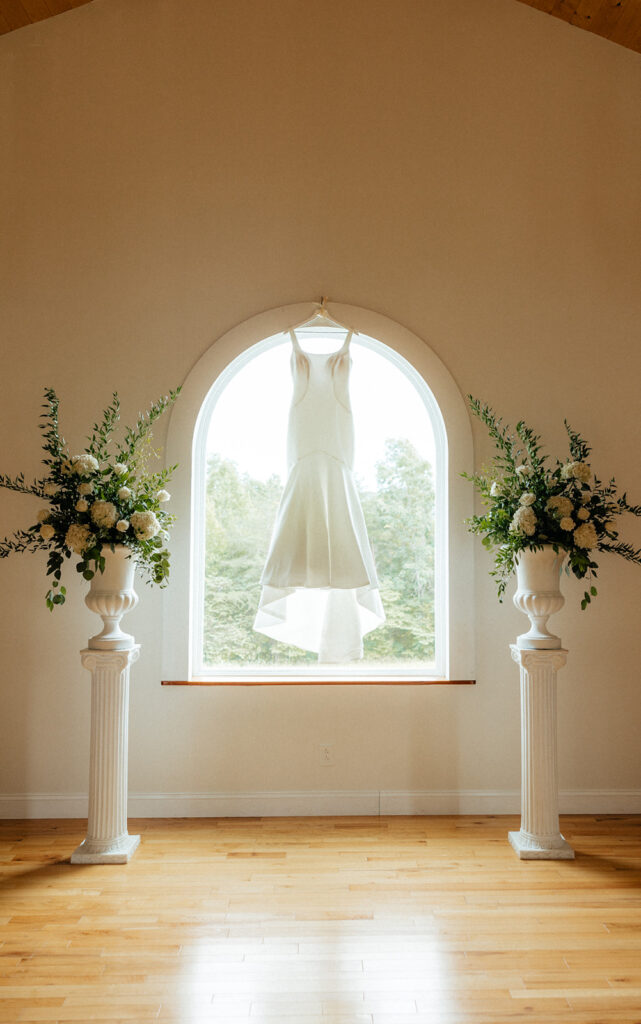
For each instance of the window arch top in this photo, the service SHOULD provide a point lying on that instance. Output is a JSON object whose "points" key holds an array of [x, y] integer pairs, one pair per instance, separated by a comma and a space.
{"points": [[207, 424]]}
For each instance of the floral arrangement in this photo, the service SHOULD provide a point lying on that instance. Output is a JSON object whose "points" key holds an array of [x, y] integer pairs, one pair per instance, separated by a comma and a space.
{"points": [[529, 503], [102, 496]]}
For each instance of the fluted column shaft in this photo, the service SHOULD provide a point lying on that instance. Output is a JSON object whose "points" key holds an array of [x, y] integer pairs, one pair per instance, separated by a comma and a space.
{"points": [[107, 839], [539, 836]]}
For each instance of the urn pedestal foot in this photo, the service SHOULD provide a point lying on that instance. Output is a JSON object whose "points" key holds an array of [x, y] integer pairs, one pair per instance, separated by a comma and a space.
{"points": [[120, 851], [540, 847]]}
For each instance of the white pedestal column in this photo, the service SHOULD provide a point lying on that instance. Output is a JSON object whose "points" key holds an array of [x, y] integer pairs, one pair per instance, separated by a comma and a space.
{"points": [[107, 840], [539, 837]]}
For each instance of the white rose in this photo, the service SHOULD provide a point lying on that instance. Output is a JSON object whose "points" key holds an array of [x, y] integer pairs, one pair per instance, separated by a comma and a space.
{"points": [[585, 536], [583, 514], [85, 488], [567, 523], [124, 493], [43, 515], [163, 496], [528, 498], [81, 505], [120, 469], [47, 531], [122, 525], [104, 513], [51, 490]]}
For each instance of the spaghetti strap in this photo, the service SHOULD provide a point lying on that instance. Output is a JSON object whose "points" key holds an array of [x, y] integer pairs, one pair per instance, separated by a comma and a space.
{"points": [[295, 342], [345, 346]]}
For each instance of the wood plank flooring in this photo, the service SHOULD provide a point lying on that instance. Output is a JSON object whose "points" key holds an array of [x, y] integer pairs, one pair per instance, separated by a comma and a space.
{"points": [[322, 921]]}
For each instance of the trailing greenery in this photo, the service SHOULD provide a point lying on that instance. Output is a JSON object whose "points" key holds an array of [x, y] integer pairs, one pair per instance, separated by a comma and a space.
{"points": [[530, 503], [399, 514], [103, 496]]}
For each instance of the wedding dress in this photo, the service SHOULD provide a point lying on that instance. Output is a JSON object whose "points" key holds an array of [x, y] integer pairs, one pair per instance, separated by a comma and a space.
{"points": [[319, 585]]}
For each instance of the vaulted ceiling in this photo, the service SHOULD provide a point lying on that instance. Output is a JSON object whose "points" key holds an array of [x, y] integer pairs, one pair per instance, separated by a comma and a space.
{"points": [[616, 20]]}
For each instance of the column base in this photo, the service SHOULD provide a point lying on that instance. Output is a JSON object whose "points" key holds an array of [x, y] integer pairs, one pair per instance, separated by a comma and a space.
{"points": [[530, 847], [120, 851]]}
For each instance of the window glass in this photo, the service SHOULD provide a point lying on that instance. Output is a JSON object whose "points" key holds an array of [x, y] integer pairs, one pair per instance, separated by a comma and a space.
{"points": [[396, 473]]}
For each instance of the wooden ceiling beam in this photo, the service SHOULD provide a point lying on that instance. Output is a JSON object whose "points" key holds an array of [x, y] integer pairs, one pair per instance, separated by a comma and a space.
{"points": [[619, 21], [16, 14]]}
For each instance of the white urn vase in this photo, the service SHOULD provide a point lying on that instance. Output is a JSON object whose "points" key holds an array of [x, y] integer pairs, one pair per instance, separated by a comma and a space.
{"points": [[111, 595], [538, 595]]}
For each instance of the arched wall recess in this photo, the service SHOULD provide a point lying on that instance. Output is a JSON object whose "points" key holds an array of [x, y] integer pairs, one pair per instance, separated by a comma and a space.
{"points": [[180, 599]]}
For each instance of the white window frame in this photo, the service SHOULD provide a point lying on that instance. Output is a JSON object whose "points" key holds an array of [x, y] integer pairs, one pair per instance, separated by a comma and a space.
{"points": [[186, 441]]}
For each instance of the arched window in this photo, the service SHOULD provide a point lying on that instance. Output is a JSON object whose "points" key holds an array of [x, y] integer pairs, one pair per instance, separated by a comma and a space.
{"points": [[404, 475]]}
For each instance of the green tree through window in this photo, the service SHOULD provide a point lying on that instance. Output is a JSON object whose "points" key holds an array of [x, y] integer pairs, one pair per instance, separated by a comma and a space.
{"points": [[399, 512]]}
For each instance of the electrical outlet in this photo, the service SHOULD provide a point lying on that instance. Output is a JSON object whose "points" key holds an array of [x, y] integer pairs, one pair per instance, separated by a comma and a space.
{"points": [[326, 754]]}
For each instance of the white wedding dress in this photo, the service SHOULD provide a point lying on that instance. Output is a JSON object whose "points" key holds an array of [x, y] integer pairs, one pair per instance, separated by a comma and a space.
{"points": [[320, 590]]}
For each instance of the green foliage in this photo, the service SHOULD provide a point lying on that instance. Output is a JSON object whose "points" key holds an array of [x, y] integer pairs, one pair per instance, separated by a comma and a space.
{"points": [[529, 503], [240, 515], [99, 497]]}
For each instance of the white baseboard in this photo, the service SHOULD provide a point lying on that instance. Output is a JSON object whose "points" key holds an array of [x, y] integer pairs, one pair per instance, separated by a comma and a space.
{"points": [[319, 803]]}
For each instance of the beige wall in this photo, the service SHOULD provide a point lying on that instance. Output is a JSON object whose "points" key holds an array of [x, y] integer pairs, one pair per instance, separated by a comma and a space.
{"points": [[469, 170]]}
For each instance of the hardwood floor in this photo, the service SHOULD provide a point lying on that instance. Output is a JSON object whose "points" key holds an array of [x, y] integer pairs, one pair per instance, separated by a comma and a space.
{"points": [[322, 921]]}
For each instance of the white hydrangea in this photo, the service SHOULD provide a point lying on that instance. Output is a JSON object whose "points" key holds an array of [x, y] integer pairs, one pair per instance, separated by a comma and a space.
{"points": [[567, 523], [84, 465], [124, 493], [576, 471], [145, 525], [85, 489], [585, 497], [558, 503], [43, 515], [582, 472], [47, 531], [524, 521], [120, 469], [51, 490], [122, 525], [583, 514], [104, 513], [163, 496], [585, 536], [528, 498], [81, 505], [79, 537]]}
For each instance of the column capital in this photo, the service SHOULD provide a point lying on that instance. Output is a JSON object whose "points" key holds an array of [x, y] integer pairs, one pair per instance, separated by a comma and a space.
{"points": [[531, 659], [115, 660]]}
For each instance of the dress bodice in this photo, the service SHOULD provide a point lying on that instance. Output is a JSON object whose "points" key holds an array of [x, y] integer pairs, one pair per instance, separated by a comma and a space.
{"points": [[320, 418]]}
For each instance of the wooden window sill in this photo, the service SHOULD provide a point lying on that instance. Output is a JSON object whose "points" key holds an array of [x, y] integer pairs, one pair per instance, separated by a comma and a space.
{"points": [[427, 681]]}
